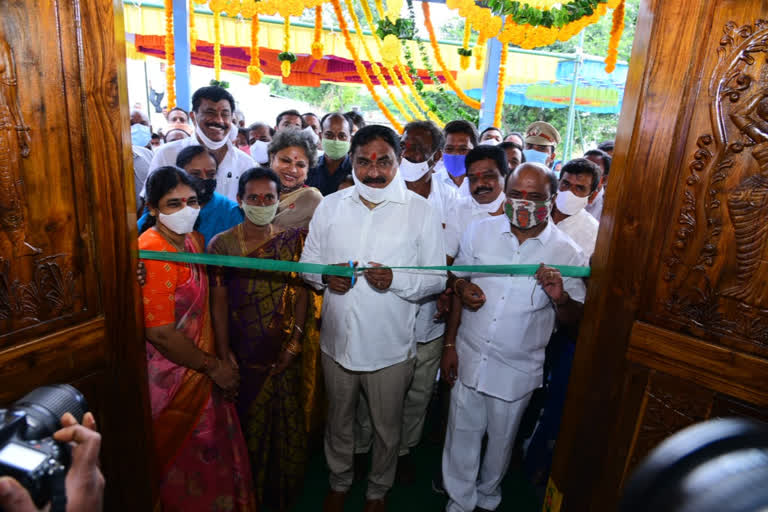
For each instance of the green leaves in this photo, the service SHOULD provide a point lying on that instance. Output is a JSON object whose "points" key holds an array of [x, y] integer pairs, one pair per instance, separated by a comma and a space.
{"points": [[220, 83], [402, 29], [289, 56], [463, 52], [524, 14]]}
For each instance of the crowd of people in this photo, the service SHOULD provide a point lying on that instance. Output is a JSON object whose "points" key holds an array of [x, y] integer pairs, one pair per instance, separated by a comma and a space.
{"points": [[245, 366]]}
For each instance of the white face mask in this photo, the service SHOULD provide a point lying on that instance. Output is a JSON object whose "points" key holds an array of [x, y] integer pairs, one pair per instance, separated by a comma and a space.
{"points": [[259, 152], [569, 203], [233, 133], [412, 171], [260, 215], [375, 195], [491, 207], [211, 144], [180, 222]]}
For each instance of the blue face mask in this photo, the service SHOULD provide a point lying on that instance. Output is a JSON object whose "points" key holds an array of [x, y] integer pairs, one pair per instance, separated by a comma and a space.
{"points": [[531, 155], [140, 135], [454, 164]]}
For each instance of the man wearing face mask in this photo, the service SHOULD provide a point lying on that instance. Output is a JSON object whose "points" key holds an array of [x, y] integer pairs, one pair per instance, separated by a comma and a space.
{"points": [[212, 110], [491, 136], [579, 179], [541, 139], [420, 150], [460, 138], [334, 165], [494, 359], [367, 335]]}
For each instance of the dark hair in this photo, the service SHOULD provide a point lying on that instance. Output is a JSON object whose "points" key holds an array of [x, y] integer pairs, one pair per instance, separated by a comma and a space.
{"points": [[212, 93], [155, 136], [355, 118], [294, 138], [310, 114], [292, 112], [606, 146], [548, 172], [180, 110], [187, 154], [582, 166], [516, 134], [461, 126], [490, 129], [509, 145], [259, 124], [604, 157], [160, 182], [336, 114], [484, 152], [165, 137], [375, 131], [437, 136], [255, 173]]}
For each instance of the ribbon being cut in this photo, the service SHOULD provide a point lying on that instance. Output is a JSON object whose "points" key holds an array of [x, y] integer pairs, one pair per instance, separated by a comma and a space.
{"points": [[345, 271]]}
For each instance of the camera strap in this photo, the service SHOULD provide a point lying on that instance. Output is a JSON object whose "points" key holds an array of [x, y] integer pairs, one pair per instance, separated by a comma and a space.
{"points": [[59, 491]]}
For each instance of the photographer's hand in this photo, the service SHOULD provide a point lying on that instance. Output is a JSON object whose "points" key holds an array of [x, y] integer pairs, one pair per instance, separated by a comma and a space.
{"points": [[85, 483]]}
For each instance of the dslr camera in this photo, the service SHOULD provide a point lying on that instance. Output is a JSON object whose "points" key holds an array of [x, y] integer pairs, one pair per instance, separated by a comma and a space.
{"points": [[28, 451]]}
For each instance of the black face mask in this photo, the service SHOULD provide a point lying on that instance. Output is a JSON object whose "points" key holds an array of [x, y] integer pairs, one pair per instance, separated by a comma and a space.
{"points": [[205, 189]]}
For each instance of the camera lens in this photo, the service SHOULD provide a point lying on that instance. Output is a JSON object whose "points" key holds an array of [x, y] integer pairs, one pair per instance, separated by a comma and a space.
{"points": [[45, 405]]}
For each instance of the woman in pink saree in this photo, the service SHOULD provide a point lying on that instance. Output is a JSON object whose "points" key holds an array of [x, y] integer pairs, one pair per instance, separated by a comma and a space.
{"points": [[199, 448]]}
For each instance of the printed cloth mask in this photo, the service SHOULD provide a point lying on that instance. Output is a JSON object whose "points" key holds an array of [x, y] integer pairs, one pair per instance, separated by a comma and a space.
{"points": [[336, 149], [140, 135], [569, 203], [376, 195], [180, 222], [205, 188], [210, 144], [491, 207], [259, 152], [526, 214], [531, 155], [260, 215], [454, 164], [413, 171]]}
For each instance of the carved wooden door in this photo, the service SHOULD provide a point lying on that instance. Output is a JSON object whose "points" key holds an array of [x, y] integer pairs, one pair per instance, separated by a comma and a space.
{"points": [[68, 299], [676, 320]]}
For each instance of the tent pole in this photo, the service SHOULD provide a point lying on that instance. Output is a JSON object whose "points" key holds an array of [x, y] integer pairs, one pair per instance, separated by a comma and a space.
{"points": [[572, 106], [490, 84], [182, 52], [581, 134]]}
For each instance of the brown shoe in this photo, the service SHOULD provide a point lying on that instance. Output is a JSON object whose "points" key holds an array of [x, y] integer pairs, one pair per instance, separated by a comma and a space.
{"points": [[379, 505], [334, 501]]}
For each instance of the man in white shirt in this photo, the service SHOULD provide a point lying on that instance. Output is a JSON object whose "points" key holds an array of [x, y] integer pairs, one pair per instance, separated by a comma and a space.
{"points": [[212, 109], [420, 146], [142, 157], [603, 161], [460, 138], [579, 180], [367, 336], [494, 348]]}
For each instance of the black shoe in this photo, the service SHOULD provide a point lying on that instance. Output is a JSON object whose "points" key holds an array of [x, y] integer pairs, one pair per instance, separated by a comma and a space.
{"points": [[406, 470], [360, 466]]}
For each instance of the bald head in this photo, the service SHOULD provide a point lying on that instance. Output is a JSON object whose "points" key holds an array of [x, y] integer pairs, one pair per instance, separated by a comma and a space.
{"points": [[531, 181]]}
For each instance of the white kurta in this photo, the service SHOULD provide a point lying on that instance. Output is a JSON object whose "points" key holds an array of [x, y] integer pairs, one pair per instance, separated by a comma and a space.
{"points": [[464, 212], [582, 228]]}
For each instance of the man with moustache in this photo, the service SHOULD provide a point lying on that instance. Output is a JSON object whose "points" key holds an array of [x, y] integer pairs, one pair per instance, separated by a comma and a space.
{"points": [[212, 109], [579, 179], [603, 162], [460, 138], [494, 358], [367, 336]]}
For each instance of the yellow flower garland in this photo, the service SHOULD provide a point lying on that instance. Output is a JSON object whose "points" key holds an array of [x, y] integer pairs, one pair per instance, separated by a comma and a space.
{"points": [[170, 56], [217, 6], [361, 68], [375, 67], [192, 28], [616, 30], [285, 66], [439, 58], [500, 88], [380, 8], [317, 43], [464, 59], [254, 67]]}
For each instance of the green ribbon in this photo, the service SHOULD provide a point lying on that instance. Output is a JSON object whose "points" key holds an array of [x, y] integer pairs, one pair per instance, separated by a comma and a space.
{"points": [[345, 271]]}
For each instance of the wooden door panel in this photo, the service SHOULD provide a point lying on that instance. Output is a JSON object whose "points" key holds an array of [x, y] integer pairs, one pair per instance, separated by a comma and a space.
{"points": [[68, 299], [676, 318]]}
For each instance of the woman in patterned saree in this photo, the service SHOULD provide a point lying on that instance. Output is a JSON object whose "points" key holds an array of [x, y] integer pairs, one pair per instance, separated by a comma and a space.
{"points": [[260, 319], [198, 444]]}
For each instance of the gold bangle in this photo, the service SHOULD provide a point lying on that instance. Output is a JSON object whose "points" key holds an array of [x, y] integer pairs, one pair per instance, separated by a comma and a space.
{"points": [[457, 282], [449, 345]]}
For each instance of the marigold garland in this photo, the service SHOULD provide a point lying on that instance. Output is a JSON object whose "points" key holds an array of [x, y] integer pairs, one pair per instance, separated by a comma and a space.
{"points": [[192, 28], [361, 68], [464, 51], [375, 67], [616, 30], [286, 57], [439, 58], [217, 6], [170, 55], [255, 73], [317, 43]]}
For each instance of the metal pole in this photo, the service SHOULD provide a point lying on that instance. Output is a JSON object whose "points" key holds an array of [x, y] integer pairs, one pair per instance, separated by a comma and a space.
{"points": [[490, 83], [572, 106], [183, 54], [581, 134]]}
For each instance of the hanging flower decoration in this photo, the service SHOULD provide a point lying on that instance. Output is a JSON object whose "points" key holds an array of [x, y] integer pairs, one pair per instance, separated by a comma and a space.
{"points": [[170, 55], [439, 58], [217, 6], [361, 68], [286, 57], [504, 37], [317, 43], [255, 73], [393, 10], [192, 27], [616, 31], [465, 51]]}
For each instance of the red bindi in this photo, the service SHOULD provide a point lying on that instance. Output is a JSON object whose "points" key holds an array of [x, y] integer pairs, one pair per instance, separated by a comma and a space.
{"points": [[373, 156]]}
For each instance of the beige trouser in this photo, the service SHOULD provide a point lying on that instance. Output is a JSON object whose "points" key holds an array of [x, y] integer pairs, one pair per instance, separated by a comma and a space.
{"points": [[385, 390], [417, 399]]}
